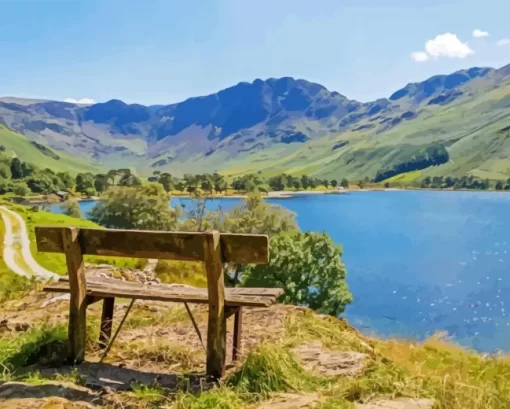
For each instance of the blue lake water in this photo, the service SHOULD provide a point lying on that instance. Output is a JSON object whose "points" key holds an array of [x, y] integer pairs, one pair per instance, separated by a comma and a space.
{"points": [[417, 261]]}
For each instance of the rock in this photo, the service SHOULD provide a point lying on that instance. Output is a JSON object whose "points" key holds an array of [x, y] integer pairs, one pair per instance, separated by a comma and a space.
{"points": [[314, 357], [21, 326], [402, 403]]}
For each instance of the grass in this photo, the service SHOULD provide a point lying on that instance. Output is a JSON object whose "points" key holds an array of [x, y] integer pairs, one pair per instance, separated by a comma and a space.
{"points": [[404, 178], [181, 272], [56, 262], [221, 398], [454, 377], [40, 344], [21, 146], [272, 368], [11, 285]]}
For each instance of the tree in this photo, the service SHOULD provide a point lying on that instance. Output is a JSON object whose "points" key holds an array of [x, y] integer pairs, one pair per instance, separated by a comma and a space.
{"points": [[344, 183], [421, 158], [426, 182], [499, 185], [66, 179], [334, 183], [101, 183], [326, 183], [5, 171], [449, 182], [16, 169], [256, 216], [41, 183], [207, 183], [361, 184], [277, 183], [309, 268], [28, 170], [90, 192], [84, 181], [72, 208], [180, 186], [220, 184], [305, 182], [191, 182], [144, 208], [129, 180], [167, 181], [387, 185], [19, 188]]}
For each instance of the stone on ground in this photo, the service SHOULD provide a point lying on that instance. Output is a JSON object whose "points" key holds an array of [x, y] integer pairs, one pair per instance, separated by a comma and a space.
{"points": [[316, 358], [402, 403]]}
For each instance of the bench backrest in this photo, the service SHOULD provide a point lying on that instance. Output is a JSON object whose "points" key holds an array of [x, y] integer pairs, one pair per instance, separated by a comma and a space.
{"points": [[235, 248]]}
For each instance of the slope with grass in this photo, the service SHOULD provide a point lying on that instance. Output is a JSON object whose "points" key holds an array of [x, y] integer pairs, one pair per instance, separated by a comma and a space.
{"points": [[292, 356], [17, 145]]}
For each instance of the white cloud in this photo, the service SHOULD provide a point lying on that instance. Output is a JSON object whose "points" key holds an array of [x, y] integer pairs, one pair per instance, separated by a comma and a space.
{"points": [[443, 45], [477, 33], [80, 101], [447, 45], [419, 56], [503, 42]]}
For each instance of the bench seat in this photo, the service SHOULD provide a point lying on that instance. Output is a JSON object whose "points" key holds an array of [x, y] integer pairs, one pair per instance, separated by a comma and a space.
{"points": [[113, 288]]}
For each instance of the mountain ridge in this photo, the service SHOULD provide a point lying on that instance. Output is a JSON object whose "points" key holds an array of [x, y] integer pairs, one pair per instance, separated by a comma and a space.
{"points": [[258, 126]]}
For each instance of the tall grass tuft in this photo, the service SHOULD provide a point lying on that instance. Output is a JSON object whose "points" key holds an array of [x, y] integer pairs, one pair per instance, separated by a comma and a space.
{"points": [[270, 368], [220, 398], [45, 344]]}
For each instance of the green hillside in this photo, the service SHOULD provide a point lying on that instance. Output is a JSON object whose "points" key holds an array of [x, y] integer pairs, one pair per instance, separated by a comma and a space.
{"points": [[18, 145], [282, 125], [475, 130]]}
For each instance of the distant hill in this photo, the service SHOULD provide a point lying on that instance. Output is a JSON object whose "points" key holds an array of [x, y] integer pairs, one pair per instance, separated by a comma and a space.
{"points": [[13, 144], [289, 125]]}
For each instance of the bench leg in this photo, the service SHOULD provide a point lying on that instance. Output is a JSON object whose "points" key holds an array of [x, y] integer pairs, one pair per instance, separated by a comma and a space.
{"points": [[78, 290], [238, 328], [217, 322], [106, 322]]}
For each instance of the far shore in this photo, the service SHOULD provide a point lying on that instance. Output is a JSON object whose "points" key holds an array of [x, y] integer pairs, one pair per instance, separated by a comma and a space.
{"points": [[282, 194]]}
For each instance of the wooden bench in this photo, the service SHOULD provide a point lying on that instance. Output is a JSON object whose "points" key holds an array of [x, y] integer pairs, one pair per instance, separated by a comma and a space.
{"points": [[212, 248]]}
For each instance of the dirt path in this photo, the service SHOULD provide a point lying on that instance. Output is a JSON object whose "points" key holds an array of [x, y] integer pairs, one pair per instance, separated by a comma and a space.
{"points": [[17, 254]]}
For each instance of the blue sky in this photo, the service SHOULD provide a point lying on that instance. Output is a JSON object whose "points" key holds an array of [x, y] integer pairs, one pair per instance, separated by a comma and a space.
{"points": [[156, 52]]}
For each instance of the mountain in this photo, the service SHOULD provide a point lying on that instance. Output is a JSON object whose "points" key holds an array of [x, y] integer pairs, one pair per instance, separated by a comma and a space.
{"points": [[289, 125]]}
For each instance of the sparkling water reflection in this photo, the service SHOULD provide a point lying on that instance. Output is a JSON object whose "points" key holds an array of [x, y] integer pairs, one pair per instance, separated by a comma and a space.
{"points": [[418, 261]]}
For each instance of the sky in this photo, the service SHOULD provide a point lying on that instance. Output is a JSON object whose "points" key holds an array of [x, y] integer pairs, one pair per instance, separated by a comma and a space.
{"points": [[165, 51]]}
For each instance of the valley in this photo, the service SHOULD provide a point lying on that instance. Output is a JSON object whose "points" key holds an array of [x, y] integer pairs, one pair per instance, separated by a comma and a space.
{"points": [[278, 125]]}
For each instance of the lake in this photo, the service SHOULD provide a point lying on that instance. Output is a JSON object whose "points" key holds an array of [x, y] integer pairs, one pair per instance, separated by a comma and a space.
{"points": [[417, 261]]}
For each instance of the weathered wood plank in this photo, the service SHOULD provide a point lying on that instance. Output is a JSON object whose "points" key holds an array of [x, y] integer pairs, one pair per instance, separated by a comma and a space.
{"points": [[78, 291], [149, 293], [217, 322], [106, 322], [236, 248], [245, 248], [238, 329], [266, 292]]}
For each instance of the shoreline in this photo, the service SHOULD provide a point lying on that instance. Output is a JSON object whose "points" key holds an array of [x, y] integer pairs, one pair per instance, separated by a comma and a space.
{"points": [[285, 194]]}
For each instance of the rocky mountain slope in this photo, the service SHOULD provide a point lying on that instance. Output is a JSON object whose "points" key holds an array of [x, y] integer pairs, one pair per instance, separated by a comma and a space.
{"points": [[287, 125]]}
